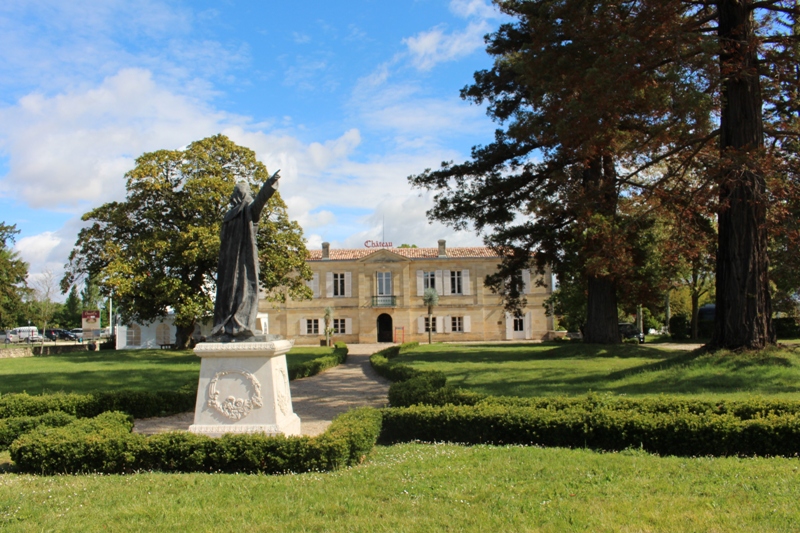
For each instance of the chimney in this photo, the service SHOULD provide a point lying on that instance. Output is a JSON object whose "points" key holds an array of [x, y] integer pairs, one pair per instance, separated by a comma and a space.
{"points": [[326, 250], [442, 249]]}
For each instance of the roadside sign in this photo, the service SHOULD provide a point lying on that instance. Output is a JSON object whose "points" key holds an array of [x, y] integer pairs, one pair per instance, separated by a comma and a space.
{"points": [[91, 324]]}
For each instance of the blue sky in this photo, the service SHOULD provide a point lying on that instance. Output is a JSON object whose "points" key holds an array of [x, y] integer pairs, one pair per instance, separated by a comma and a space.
{"points": [[347, 98]]}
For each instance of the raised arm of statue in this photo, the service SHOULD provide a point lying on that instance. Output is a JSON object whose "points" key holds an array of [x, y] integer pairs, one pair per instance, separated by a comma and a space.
{"points": [[264, 194]]}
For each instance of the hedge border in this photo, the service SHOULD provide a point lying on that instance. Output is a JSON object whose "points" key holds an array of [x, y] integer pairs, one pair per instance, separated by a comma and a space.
{"points": [[425, 408], [105, 444]]}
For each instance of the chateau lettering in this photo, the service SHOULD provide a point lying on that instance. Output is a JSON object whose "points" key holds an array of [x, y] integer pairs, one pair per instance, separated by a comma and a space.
{"points": [[376, 244]]}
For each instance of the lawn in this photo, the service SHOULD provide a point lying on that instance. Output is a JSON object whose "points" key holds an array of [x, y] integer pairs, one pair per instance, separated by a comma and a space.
{"points": [[573, 368], [416, 487], [113, 370]]}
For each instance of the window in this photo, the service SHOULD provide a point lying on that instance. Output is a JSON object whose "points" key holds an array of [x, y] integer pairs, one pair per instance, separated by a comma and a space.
{"points": [[162, 334], [134, 336], [519, 323], [339, 326], [430, 324], [455, 282], [312, 326], [429, 280], [338, 284], [384, 283], [457, 324]]}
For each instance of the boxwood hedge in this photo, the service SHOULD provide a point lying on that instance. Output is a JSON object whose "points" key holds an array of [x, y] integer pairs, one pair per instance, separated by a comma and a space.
{"points": [[105, 444]]}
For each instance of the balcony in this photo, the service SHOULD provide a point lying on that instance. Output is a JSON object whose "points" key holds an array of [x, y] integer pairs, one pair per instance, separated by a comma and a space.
{"points": [[384, 301]]}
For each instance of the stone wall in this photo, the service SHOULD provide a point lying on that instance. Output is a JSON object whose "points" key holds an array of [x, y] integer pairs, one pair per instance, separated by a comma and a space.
{"points": [[13, 353]]}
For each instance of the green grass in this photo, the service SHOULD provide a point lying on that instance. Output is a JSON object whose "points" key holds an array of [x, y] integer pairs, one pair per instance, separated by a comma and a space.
{"points": [[83, 372], [574, 368], [416, 487]]}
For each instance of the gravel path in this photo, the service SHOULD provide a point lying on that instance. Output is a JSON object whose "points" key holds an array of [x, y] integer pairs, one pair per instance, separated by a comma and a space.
{"points": [[317, 400]]}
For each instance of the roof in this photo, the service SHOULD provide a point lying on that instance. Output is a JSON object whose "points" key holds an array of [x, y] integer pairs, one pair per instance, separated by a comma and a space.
{"points": [[411, 253]]}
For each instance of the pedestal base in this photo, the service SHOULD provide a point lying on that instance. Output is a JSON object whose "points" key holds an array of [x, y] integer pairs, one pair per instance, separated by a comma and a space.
{"points": [[244, 388]]}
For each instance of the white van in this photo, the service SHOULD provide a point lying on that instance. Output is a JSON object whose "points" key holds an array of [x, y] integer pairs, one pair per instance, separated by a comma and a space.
{"points": [[27, 334]]}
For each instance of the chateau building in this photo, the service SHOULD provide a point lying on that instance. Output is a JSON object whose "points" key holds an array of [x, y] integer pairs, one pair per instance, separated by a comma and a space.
{"points": [[376, 296]]}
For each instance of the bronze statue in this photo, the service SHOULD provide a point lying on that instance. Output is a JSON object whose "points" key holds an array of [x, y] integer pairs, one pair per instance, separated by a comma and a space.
{"points": [[236, 306]]}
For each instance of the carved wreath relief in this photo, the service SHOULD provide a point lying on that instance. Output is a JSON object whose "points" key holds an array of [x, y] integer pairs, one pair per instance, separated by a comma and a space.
{"points": [[232, 407]]}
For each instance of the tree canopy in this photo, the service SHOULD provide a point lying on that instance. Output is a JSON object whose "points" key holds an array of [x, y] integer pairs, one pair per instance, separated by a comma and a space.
{"points": [[157, 251], [13, 275], [612, 109]]}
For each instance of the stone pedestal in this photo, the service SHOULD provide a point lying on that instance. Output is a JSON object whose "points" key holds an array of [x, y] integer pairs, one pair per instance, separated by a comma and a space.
{"points": [[244, 388]]}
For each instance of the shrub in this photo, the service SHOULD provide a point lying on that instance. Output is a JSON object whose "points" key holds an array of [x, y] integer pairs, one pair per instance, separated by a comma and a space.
{"points": [[12, 428], [679, 327], [320, 364], [105, 444], [139, 404], [671, 433], [786, 327]]}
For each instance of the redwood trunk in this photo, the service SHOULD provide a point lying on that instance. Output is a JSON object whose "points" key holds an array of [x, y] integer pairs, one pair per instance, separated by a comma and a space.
{"points": [[602, 321], [743, 310]]}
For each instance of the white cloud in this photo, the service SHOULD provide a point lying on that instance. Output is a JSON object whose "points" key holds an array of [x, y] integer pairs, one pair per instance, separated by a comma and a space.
{"points": [[473, 8], [405, 222], [74, 148], [429, 48]]}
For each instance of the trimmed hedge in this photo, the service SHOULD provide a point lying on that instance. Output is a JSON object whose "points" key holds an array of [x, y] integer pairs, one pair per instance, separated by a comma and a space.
{"points": [[12, 428], [666, 424], [673, 433], [106, 444], [136, 403], [320, 364]]}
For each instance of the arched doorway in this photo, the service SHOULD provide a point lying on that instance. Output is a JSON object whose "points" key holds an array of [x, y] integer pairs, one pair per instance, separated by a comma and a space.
{"points": [[384, 328]]}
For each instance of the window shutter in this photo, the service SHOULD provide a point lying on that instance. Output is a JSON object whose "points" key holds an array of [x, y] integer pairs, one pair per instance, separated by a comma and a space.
{"points": [[467, 324], [329, 284], [421, 324], [528, 332], [526, 281], [509, 327], [348, 284], [420, 283], [448, 324], [348, 326], [303, 326], [315, 284], [465, 282], [439, 324], [440, 283], [322, 325], [446, 276]]}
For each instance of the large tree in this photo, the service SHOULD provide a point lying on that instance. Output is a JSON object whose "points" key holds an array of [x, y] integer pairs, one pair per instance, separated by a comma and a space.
{"points": [[593, 96], [585, 98], [157, 251], [13, 273]]}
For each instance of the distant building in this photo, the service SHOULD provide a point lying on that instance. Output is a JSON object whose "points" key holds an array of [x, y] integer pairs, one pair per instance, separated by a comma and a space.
{"points": [[376, 293]]}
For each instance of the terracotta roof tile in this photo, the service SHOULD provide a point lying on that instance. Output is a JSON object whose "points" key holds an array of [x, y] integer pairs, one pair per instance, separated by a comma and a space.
{"points": [[411, 253]]}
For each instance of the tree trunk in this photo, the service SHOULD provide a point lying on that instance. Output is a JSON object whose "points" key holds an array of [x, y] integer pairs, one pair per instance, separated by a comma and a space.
{"points": [[183, 337], [743, 311], [602, 322], [667, 312], [695, 314]]}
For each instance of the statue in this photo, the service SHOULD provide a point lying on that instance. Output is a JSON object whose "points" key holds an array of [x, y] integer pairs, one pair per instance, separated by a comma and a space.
{"points": [[236, 306]]}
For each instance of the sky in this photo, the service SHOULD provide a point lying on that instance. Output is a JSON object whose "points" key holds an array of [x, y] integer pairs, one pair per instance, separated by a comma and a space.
{"points": [[346, 98]]}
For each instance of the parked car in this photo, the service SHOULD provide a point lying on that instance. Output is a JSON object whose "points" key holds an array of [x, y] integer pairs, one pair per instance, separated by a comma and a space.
{"points": [[630, 331], [26, 334], [60, 334], [4, 335]]}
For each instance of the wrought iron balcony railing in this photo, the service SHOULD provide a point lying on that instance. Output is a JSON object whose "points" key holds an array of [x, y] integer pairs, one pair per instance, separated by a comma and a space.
{"points": [[384, 301]]}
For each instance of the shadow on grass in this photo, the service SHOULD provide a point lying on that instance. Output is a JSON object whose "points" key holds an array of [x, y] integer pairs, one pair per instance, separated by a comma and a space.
{"points": [[530, 352]]}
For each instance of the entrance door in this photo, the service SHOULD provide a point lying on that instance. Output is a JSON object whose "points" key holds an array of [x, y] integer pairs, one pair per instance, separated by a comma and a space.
{"points": [[384, 328]]}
